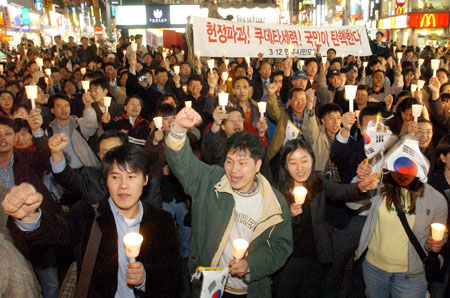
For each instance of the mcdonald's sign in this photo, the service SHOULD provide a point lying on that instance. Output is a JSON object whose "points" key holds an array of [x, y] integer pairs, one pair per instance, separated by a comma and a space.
{"points": [[400, 10], [428, 20]]}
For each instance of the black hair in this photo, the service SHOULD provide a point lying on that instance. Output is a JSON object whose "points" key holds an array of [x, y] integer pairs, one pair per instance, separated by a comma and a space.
{"points": [[65, 82], [242, 141], [369, 111], [126, 157], [110, 64], [444, 71], [15, 108], [54, 97], [231, 109], [113, 133], [363, 87], [8, 122], [285, 182], [404, 93], [22, 123], [443, 86], [295, 90], [160, 69], [102, 82], [405, 104], [443, 147], [308, 61], [278, 73], [329, 108], [166, 110], [164, 97], [334, 60], [84, 37], [194, 77], [332, 50], [137, 36], [127, 100], [242, 78]]}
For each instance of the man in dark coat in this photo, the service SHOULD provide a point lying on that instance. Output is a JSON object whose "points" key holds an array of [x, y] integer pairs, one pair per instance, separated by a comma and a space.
{"points": [[156, 270]]}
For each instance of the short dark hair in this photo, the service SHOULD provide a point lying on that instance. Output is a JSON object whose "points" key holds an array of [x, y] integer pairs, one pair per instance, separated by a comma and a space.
{"points": [[113, 133], [15, 108], [22, 123], [369, 111], [102, 82], [166, 110], [137, 36], [334, 60], [160, 69], [278, 73], [127, 100], [242, 78], [331, 50], [443, 86], [443, 147], [444, 71], [194, 77], [126, 156], [110, 64], [54, 97], [231, 109], [8, 122], [243, 141], [310, 60], [84, 37], [329, 108], [295, 90], [363, 87]]}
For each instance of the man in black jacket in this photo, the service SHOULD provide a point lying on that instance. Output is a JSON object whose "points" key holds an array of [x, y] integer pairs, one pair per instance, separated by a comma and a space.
{"points": [[89, 184], [156, 272]]}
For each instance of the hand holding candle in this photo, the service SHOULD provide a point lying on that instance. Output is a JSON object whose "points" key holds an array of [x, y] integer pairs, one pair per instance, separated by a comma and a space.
{"points": [[421, 61], [413, 88], [188, 104], [239, 248], [224, 77], [210, 64], [176, 69], [132, 242], [48, 71], [399, 57], [420, 84], [85, 85], [324, 60], [435, 66], [437, 231], [134, 46]]}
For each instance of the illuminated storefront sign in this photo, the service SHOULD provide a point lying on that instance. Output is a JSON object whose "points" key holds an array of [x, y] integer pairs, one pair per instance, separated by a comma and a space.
{"points": [[428, 20], [397, 22]]}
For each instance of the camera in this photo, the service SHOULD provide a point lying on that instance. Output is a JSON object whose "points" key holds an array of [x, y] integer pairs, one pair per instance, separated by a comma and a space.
{"points": [[143, 79]]}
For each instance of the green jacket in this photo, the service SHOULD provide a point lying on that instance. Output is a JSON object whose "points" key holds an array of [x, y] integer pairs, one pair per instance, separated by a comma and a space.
{"points": [[212, 219]]}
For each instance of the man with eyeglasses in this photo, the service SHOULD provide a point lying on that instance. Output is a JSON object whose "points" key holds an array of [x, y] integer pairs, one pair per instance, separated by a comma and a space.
{"points": [[226, 123]]}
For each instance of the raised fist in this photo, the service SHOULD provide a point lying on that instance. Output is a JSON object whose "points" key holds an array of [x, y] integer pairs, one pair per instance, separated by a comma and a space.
{"points": [[22, 202]]}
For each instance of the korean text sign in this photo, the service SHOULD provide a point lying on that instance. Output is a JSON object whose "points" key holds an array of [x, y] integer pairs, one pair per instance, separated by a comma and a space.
{"points": [[212, 36]]}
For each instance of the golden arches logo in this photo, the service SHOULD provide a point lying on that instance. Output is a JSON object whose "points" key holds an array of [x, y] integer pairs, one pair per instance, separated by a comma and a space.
{"points": [[428, 20], [400, 10]]}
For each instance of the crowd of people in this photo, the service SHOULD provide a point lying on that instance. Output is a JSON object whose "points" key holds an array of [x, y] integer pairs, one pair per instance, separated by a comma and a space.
{"points": [[138, 139]]}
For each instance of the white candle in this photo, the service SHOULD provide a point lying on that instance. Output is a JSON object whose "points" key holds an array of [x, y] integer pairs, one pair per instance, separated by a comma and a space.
{"points": [[124, 52], [420, 84], [247, 59], [176, 69], [188, 104], [197, 54], [1, 68], [435, 66], [32, 91], [134, 47], [437, 231], [46, 80], [226, 61], [224, 76], [48, 71], [262, 108], [350, 94], [40, 62], [365, 63], [359, 52], [223, 100], [224, 52], [107, 102], [83, 71], [421, 61], [85, 85], [18, 57], [158, 122], [413, 87], [210, 64], [300, 194], [416, 111], [132, 242], [239, 248], [399, 57], [25, 51], [324, 60], [164, 54]]}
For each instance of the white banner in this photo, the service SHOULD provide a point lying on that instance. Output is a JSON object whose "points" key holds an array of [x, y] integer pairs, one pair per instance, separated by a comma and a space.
{"points": [[212, 36]]}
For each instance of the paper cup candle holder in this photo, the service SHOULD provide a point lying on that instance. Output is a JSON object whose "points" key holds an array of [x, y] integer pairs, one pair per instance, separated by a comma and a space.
{"points": [[300, 193], [239, 249], [223, 100], [350, 94], [158, 122], [437, 231], [107, 102], [32, 93], [132, 242]]}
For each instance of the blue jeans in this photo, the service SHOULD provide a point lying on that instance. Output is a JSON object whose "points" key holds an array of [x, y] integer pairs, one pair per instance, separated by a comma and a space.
{"points": [[179, 211], [380, 284]]}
